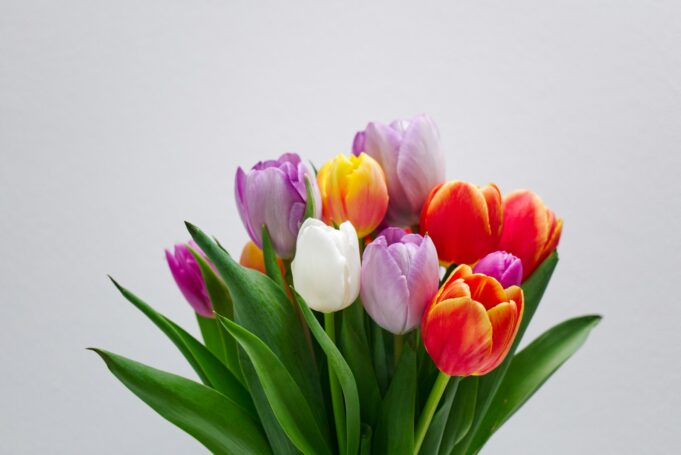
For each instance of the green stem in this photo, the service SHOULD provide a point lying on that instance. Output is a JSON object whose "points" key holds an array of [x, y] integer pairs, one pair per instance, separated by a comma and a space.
{"points": [[334, 386], [397, 348], [429, 409]]}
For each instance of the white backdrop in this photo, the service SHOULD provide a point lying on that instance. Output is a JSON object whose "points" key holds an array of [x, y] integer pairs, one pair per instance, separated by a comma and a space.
{"points": [[119, 120]]}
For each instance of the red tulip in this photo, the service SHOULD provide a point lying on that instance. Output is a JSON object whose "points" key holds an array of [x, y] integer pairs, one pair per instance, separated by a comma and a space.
{"points": [[531, 231], [471, 324], [463, 220]]}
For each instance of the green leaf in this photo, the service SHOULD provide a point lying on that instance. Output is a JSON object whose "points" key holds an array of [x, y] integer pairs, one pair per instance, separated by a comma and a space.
{"points": [[287, 400], [202, 412], [436, 430], [263, 308], [395, 429], [533, 289], [209, 368], [343, 374], [462, 414], [530, 369], [380, 355], [310, 204], [270, 259], [355, 348], [218, 341]]}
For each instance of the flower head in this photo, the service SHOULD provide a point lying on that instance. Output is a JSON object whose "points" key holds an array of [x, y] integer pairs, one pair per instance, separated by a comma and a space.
{"points": [[187, 275]]}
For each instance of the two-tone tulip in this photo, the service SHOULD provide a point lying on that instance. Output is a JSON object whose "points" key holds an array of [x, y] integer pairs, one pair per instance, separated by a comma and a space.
{"points": [[472, 323], [531, 230], [504, 267], [463, 220], [353, 189], [188, 277], [326, 268], [273, 194], [400, 275], [410, 154]]}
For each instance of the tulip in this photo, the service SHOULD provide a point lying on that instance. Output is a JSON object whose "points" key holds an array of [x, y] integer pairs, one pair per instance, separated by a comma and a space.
{"points": [[252, 257], [187, 275], [531, 231], [410, 154], [353, 189], [326, 269], [273, 194], [400, 275], [502, 266], [463, 220], [472, 323]]}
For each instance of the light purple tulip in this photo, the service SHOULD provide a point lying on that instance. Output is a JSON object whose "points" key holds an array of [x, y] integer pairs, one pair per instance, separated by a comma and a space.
{"points": [[413, 162], [400, 276], [273, 193], [188, 277], [504, 267]]}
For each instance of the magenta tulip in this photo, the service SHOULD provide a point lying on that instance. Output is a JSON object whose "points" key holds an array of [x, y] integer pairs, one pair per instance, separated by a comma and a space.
{"points": [[502, 266], [188, 277]]}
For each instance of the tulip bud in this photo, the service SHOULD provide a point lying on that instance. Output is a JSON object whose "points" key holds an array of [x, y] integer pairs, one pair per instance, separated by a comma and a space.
{"points": [[531, 231], [503, 267], [353, 189], [187, 275], [410, 154], [326, 269], [400, 275], [472, 323], [463, 220], [273, 193]]}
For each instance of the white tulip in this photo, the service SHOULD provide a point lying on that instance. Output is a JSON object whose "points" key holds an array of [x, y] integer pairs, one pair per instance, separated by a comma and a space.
{"points": [[326, 269]]}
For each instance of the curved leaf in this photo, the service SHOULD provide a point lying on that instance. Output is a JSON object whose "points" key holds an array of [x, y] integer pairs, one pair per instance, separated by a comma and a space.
{"points": [[287, 400], [530, 369], [209, 368], [202, 412]]}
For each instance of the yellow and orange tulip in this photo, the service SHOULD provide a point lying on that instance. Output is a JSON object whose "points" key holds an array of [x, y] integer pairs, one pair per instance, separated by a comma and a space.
{"points": [[463, 220], [353, 189], [531, 231], [471, 324]]}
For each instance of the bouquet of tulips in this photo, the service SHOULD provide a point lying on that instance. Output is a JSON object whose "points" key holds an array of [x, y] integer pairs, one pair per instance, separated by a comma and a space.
{"points": [[376, 309]]}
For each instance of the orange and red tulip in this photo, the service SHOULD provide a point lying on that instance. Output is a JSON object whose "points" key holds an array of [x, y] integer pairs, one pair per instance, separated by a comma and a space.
{"points": [[531, 231], [472, 323], [463, 220], [353, 188]]}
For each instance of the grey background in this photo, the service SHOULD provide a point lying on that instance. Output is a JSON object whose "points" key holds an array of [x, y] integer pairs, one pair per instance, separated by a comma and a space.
{"points": [[119, 120]]}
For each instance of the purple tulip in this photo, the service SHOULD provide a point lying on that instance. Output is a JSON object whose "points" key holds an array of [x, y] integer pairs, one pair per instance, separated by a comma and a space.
{"points": [[504, 267], [400, 275], [188, 277], [413, 162], [273, 193]]}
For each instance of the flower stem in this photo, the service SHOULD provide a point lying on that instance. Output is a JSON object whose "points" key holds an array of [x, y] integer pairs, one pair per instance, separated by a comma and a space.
{"points": [[334, 386], [397, 349], [429, 409]]}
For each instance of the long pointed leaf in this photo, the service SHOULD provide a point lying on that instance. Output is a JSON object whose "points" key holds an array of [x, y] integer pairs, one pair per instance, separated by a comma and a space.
{"points": [[288, 403], [209, 368], [263, 308], [202, 412], [344, 375], [395, 429], [530, 369]]}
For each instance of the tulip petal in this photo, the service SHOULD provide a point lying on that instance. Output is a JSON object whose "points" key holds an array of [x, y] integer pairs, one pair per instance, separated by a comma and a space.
{"points": [[505, 321], [457, 334], [422, 280], [494, 207], [486, 290]]}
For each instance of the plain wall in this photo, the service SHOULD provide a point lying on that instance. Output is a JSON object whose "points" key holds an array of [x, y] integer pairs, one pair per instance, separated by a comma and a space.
{"points": [[119, 120]]}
